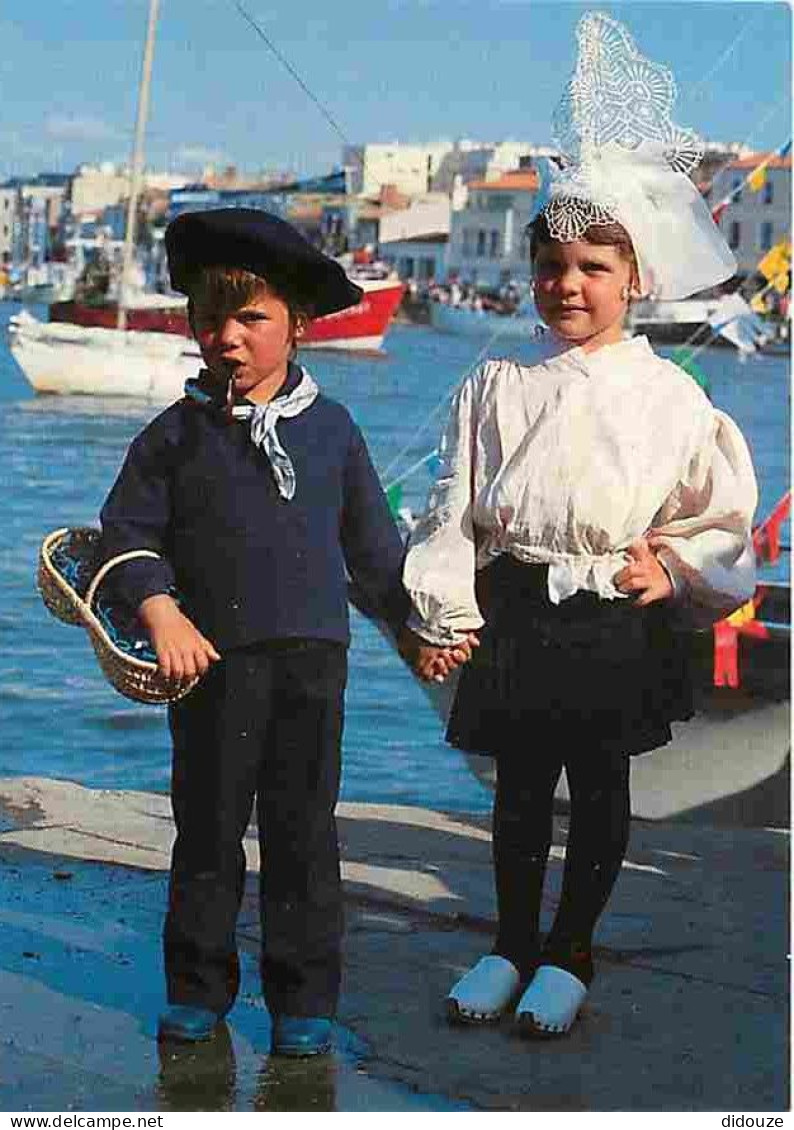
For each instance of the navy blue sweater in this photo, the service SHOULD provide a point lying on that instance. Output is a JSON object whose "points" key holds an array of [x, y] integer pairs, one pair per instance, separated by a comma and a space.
{"points": [[248, 565]]}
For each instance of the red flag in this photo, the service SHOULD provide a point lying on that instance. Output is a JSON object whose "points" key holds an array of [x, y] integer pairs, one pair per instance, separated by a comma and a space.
{"points": [[766, 537], [716, 213]]}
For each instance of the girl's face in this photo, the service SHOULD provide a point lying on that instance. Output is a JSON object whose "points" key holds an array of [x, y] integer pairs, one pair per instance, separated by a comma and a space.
{"points": [[581, 291], [252, 344]]}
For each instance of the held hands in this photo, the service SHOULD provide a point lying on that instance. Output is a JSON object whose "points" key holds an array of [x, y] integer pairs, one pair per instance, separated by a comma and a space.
{"points": [[182, 651], [643, 578], [431, 663]]}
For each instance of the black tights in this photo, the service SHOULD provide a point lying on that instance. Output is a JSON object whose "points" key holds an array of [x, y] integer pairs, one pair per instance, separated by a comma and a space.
{"points": [[522, 830]]}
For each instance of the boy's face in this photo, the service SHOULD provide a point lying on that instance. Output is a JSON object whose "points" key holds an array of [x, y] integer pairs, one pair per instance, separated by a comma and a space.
{"points": [[252, 344]]}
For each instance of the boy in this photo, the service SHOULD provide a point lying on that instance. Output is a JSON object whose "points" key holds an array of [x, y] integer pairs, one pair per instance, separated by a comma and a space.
{"points": [[258, 493]]}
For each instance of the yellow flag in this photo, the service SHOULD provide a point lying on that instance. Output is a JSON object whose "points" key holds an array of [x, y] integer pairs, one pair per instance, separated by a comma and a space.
{"points": [[776, 264], [756, 179], [758, 303], [742, 615]]}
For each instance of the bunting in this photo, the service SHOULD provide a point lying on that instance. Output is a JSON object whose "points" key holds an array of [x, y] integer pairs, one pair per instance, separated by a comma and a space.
{"points": [[766, 536], [743, 622], [394, 497], [757, 178], [683, 358], [776, 266], [755, 181]]}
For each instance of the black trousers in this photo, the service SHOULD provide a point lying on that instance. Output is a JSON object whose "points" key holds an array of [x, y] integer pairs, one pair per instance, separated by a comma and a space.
{"points": [[265, 722], [598, 834]]}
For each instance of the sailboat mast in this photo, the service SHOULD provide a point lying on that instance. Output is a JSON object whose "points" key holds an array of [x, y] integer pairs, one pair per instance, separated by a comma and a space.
{"points": [[137, 163]]}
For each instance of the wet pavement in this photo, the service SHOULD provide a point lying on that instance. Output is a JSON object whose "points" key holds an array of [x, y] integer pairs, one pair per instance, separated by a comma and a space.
{"points": [[689, 1011]]}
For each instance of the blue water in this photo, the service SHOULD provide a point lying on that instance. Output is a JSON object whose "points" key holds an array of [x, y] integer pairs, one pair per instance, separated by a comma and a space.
{"points": [[58, 458]]}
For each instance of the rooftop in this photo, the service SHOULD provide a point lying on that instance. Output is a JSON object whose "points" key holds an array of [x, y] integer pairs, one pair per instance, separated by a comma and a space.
{"points": [[519, 180]]}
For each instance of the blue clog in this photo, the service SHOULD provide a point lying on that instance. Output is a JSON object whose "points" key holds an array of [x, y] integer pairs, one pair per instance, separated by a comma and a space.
{"points": [[301, 1035], [188, 1023]]}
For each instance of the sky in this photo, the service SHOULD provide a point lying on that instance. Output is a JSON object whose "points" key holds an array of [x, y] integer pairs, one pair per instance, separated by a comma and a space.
{"points": [[383, 70]]}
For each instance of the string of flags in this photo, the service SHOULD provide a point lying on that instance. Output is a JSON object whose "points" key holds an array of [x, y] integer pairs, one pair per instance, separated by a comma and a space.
{"points": [[743, 622], [755, 180]]}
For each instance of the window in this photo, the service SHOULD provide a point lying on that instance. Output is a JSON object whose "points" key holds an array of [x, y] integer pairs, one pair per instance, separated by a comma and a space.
{"points": [[767, 235], [495, 242], [480, 243], [466, 245], [427, 268], [734, 234], [769, 191], [736, 190]]}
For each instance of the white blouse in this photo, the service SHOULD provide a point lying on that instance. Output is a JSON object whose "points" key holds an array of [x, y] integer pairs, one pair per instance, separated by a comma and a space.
{"points": [[565, 462]]}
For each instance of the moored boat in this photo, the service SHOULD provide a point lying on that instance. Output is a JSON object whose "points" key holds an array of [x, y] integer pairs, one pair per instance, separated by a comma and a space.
{"points": [[523, 323], [81, 352], [359, 327]]}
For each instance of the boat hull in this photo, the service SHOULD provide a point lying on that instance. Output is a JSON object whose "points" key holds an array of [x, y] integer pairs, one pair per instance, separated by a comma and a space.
{"points": [[484, 323], [360, 327], [74, 360], [729, 764]]}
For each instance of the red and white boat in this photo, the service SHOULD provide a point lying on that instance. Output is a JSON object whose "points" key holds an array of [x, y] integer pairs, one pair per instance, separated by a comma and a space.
{"points": [[80, 352], [360, 327]]}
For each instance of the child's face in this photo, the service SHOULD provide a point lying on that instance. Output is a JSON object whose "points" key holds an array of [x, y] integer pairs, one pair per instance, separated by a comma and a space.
{"points": [[581, 291], [252, 344]]}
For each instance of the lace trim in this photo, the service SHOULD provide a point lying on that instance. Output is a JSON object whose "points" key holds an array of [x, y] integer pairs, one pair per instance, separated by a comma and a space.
{"points": [[618, 96]]}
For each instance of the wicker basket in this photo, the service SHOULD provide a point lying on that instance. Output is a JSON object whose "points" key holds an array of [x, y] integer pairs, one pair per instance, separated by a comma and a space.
{"points": [[68, 581]]}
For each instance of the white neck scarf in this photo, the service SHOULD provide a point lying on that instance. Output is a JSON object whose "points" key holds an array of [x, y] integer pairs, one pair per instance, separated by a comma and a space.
{"points": [[264, 418]]}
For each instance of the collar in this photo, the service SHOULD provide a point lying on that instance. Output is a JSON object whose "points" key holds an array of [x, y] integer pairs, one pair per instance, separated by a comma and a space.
{"points": [[207, 392]]}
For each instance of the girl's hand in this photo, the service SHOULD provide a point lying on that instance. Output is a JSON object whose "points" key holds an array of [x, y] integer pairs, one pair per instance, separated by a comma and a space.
{"points": [[182, 652], [643, 578], [432, 663]]}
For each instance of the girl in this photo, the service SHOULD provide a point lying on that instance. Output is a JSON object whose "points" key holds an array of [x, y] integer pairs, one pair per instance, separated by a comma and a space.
{"points": [[584, 501]]}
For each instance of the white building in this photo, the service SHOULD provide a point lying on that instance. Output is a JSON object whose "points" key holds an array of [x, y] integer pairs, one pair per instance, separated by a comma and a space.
{"points": [[488, 243], [96, 187], [410, 168], [422, 258], [436, 166], [468, 161], [754, 221], [8, 211]]}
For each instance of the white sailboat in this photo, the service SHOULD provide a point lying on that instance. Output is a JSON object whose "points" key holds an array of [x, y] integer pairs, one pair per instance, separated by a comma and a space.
{"points": [[67, 357]]}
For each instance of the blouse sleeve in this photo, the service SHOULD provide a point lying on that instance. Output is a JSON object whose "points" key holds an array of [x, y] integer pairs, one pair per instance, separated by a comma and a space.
{"points": [[439, 566], [703, 532]]}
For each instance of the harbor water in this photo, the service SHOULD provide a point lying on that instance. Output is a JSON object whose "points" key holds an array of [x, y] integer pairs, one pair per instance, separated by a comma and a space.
{"points": [[58, 458]]}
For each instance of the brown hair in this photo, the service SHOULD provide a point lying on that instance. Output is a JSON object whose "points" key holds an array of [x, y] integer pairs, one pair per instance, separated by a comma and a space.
{"points": [[226, 289], [603, 235]]}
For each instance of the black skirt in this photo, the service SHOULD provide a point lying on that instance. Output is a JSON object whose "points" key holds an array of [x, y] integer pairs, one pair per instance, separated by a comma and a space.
{"points": [[601, 672]]}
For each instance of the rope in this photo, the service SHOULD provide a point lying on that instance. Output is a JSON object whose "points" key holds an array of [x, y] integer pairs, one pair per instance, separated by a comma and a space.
{"points": [[446, 396], [291, 70]]}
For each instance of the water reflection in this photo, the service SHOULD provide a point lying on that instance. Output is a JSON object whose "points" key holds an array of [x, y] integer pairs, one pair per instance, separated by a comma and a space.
{"points": [[203, 1077], [197, 1076], [297, 1084]]}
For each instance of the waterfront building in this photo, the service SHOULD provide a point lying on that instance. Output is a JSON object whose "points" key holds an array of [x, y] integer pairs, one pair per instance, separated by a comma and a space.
{"points": [[414, 239], [418, 258], [488, 243], [432, 167], [759, 213], [96, 187], [34, 208], [8, 212]]}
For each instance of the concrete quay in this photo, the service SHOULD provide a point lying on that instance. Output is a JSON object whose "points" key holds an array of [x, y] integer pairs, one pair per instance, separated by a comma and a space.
{"points": [[689, 1011]]}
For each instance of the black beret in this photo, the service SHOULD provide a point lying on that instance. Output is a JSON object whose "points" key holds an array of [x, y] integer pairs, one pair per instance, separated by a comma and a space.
{"points": [[261, 243]]}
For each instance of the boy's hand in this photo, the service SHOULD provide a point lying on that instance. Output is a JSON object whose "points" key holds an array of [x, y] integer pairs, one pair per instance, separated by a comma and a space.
{"points": [[430, 662], [182, 652], [643, 578]]}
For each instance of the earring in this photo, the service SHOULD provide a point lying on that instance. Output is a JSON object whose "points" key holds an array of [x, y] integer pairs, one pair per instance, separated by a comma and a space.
{"points": [[625, 293]]}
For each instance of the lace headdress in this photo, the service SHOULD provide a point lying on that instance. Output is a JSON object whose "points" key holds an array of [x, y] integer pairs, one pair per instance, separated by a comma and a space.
{"points": [[623, 158]]}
